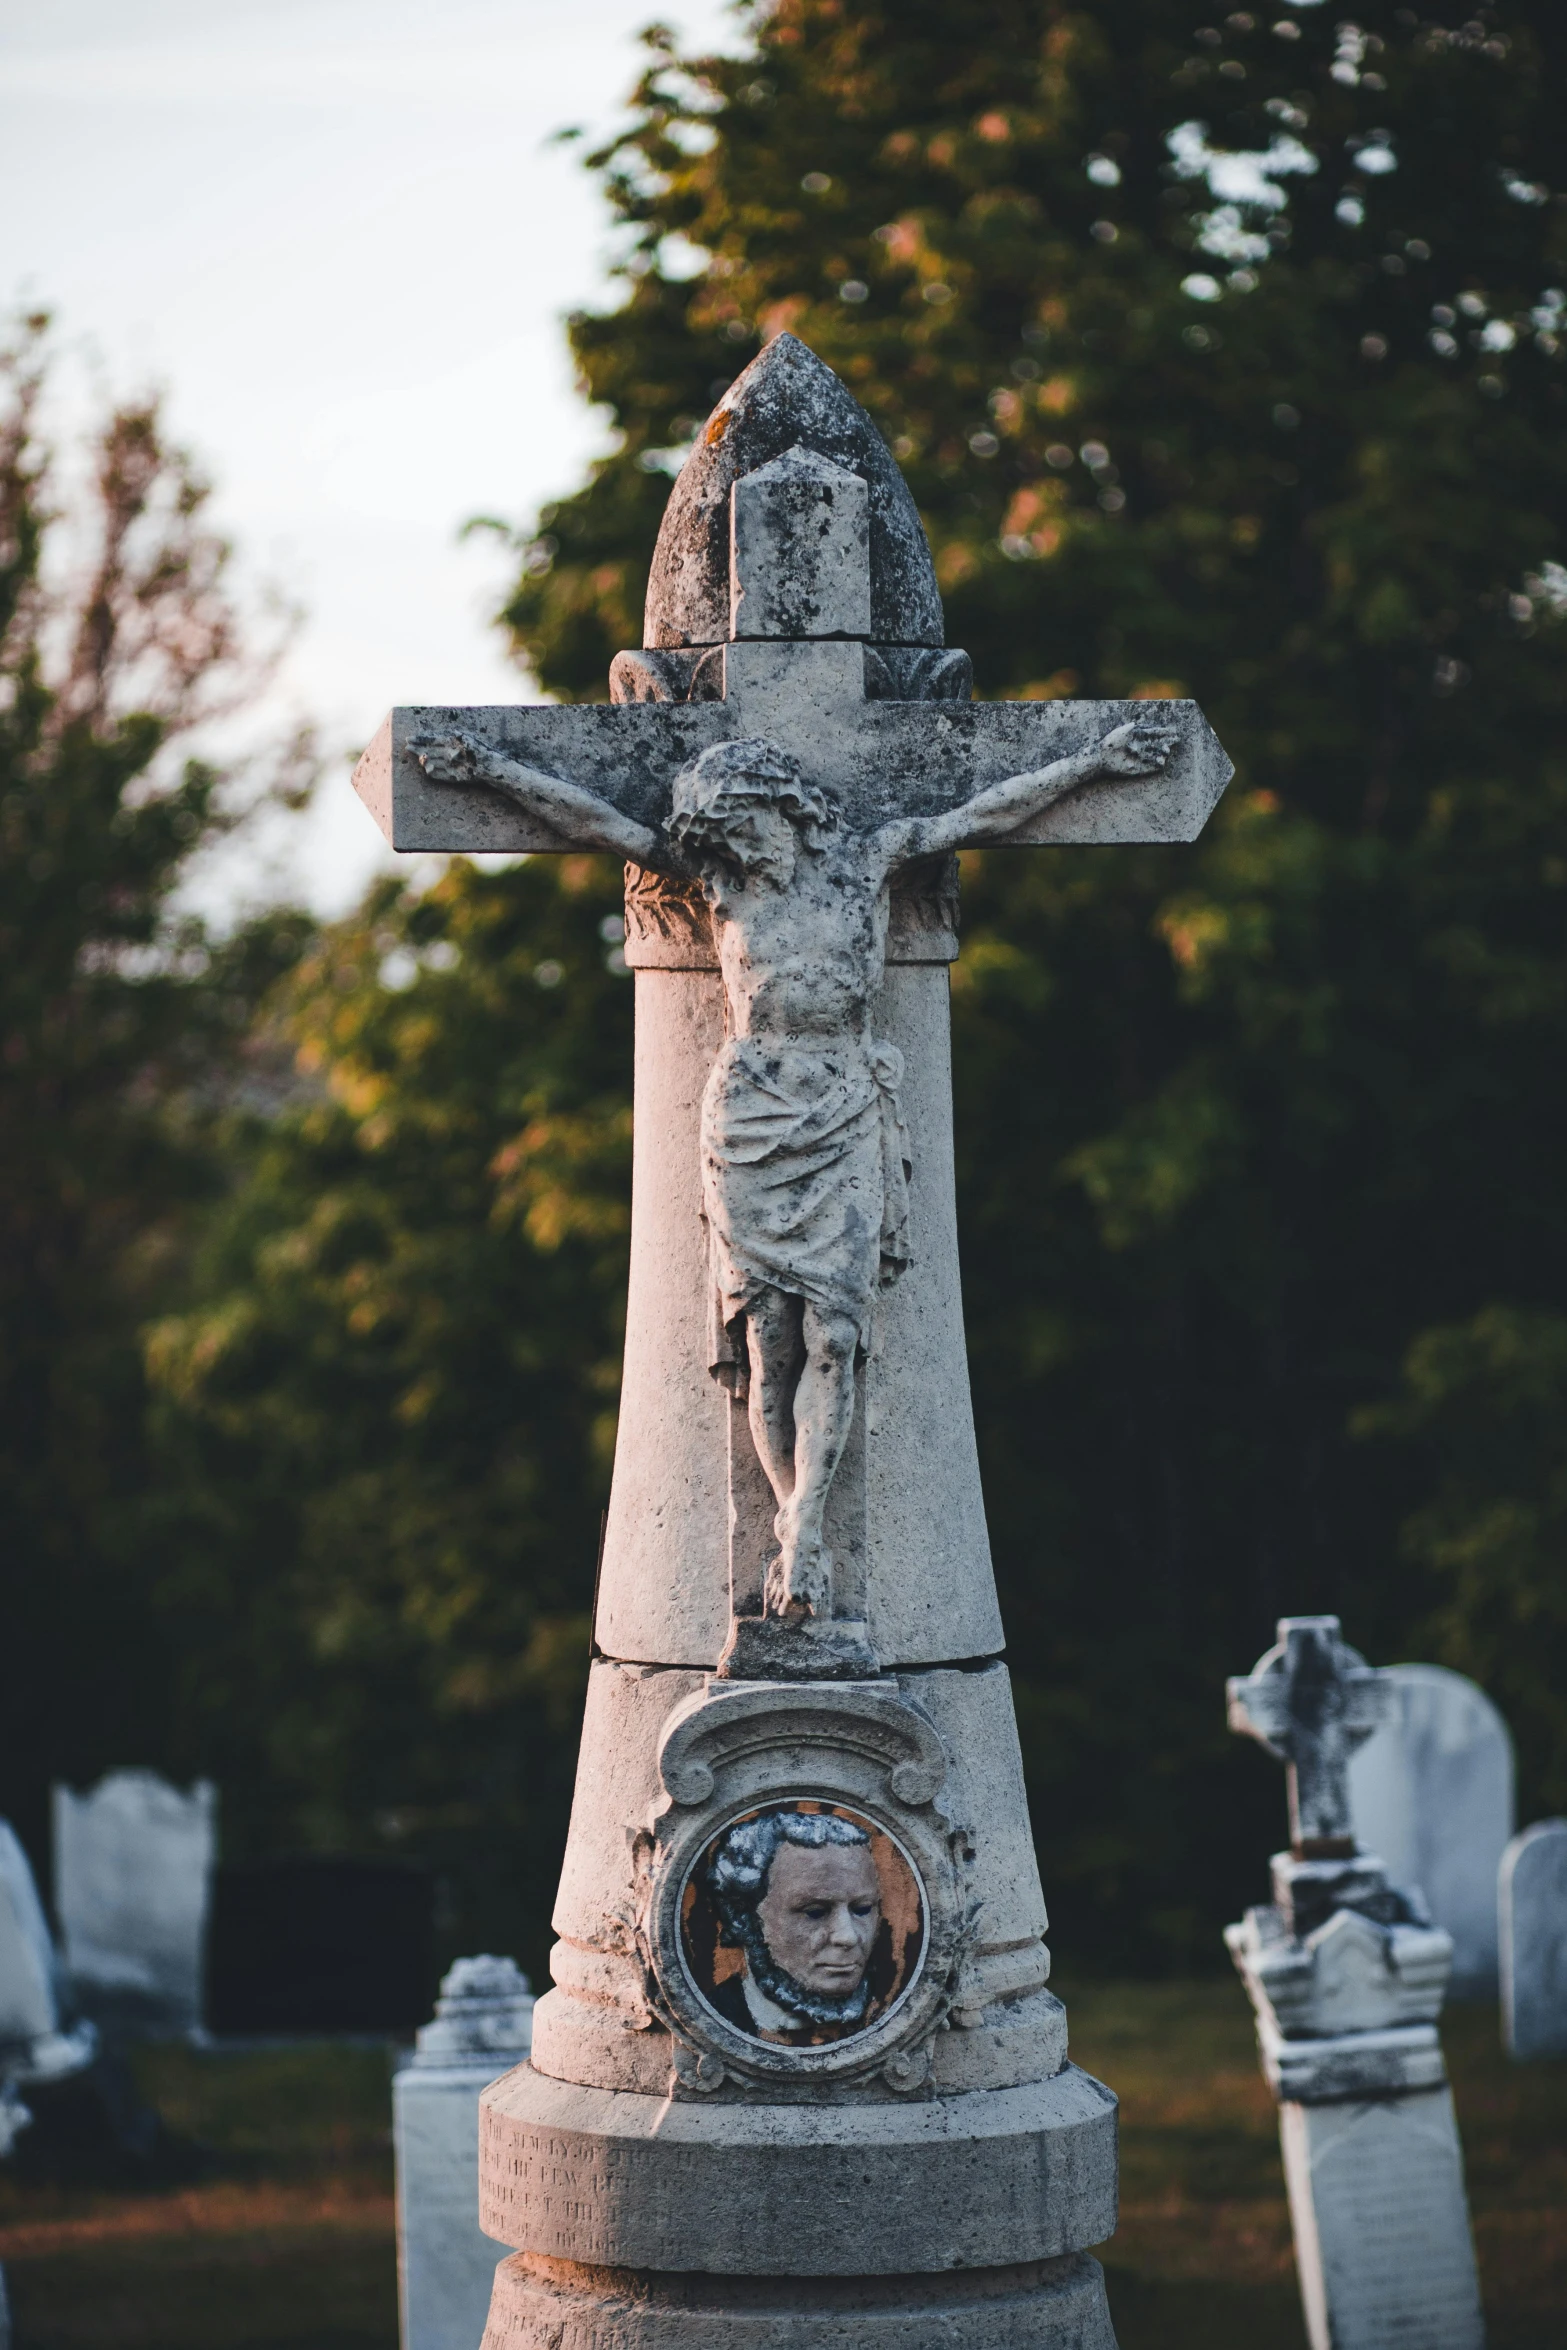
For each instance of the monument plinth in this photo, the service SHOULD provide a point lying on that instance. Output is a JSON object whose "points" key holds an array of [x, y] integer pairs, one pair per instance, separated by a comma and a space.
{"points": [[800, 2078]]}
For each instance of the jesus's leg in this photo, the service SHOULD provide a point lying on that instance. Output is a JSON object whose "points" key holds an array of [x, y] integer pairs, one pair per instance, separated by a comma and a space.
{"points": [[772, 1331], [823, 1410]]}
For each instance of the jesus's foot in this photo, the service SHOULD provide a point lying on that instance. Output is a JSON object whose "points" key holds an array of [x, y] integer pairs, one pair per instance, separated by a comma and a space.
{"points": [[799, 1580]]}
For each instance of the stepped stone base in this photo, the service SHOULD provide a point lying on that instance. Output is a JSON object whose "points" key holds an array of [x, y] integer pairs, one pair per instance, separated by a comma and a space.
{"points": [[543, 2304], [798, 2190]]}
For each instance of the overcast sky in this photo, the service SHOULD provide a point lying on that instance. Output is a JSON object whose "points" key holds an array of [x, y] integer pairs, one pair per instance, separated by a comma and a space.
{"points": [[338, 234]]}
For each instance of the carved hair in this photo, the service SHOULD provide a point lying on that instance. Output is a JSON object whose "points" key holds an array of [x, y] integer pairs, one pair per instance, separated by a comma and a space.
{"points": [[716, 787], [737, 1877]]}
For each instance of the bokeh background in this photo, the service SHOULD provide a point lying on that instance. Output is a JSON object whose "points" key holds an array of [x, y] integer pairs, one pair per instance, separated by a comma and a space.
{"points": [[1226, 355], [1224, 359]]}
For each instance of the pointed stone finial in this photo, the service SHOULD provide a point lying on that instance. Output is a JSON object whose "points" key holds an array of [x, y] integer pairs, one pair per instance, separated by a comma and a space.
{"points": [[1311, 1701], [786, 400], [800, 550]]}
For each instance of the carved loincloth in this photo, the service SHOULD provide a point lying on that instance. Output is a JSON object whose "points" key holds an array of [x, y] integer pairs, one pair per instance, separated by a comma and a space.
{"points": [[805, 1181]]}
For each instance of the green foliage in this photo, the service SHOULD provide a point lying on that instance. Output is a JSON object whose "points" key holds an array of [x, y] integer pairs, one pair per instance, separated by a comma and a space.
{"points": [[1224, 360], [1485, 1402], [387, 1414], [117, 637], [1228, 360]]}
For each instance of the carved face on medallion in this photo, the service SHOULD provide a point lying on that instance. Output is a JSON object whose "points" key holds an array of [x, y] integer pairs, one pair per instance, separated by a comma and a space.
{"points": [[802, 1922]]}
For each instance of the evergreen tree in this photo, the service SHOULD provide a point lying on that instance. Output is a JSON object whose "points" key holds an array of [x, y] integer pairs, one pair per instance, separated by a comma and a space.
{"points": [[387, 1407], [1225, 359], [118, 636]]}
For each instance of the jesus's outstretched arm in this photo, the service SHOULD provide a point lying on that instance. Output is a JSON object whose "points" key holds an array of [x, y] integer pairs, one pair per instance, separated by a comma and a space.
{"points": [[579, 816], [1140, 748]]}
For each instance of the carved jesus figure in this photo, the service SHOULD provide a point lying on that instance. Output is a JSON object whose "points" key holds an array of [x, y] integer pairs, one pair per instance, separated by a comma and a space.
{"points": [[804, 1152]]}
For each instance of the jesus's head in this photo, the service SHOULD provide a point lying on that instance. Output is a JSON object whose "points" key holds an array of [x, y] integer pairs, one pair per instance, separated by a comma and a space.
{"points": [[746, 804]]}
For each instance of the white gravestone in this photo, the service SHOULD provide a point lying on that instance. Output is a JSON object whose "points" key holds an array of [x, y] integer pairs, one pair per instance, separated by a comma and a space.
{"points": [[1532, 1915], [445, 2266], [1346, 1975], [800, 2080], [1431, 1793], [133, 1862], [36, 2042]]}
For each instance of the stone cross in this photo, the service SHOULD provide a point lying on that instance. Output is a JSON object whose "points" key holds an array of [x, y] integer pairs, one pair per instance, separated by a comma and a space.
{"points": [[800, 2037], [771, 768], [1346, 1975], [1311, 1701]]}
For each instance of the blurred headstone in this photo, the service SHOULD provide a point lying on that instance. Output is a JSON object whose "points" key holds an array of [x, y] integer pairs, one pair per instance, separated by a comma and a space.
{"points": [[1431, 1794], [38, 2046], [133, 1861], [1346, 1974], [29, 1997], [1532, 1907], [320, 1945], [445, 2266]]}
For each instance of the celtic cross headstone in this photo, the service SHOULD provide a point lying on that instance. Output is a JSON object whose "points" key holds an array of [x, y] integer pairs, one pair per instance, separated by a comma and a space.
{"points": [[1346, 1975]]}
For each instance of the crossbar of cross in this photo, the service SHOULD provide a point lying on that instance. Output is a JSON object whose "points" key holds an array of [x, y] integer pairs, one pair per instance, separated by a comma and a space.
{"points": [[818, 691]]}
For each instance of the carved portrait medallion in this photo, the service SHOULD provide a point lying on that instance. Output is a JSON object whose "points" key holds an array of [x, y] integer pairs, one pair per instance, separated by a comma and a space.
{"points": [[803, 1922], [801, 1911]]}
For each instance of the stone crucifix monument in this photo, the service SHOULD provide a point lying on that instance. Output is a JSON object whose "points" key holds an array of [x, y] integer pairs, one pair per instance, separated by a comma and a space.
{"points": [[1346, 1974], [800, 2080]]}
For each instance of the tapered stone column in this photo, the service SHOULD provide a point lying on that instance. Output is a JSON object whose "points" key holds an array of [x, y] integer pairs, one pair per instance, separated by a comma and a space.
{"points": [[948, 2179], [800, 2080]]}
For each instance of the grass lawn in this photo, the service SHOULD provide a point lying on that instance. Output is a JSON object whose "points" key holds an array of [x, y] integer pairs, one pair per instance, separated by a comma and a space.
{"points": [[287, 2243], [1202, 2258]]}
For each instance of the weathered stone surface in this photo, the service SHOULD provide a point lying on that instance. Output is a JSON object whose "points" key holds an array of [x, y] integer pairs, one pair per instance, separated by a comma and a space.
{"points": [[1349, 2008], [1382, 2225], [133, 1863], [1307, 1893], [1311, 1701], [1431, 1792], [1346, 1974], [669, 926], [545, 2304], [485, 2010], [786, 399], [874, 757], [445, 2265], [799, 2025], [798, 2190], [1532, 1900], [1353, 2066], [664, 1581], [799, 551], [597, 2027]]}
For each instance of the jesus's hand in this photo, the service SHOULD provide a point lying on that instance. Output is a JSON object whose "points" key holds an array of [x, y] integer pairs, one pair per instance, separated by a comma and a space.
{"points": [[1142, 747], [579, 819], [453, 758]]}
